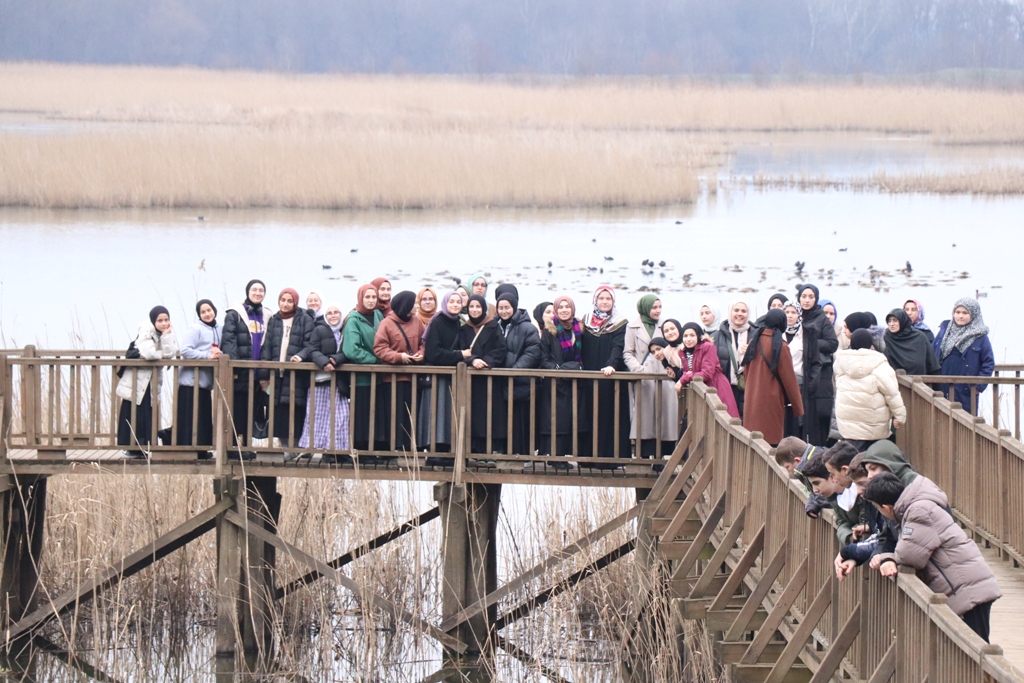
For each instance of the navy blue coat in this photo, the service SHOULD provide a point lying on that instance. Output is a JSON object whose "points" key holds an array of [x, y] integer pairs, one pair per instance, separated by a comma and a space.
{"points": [[977, 361]]}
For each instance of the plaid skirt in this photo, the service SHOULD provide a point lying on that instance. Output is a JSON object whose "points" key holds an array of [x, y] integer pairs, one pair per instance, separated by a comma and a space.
{"points": [[319, 404]]}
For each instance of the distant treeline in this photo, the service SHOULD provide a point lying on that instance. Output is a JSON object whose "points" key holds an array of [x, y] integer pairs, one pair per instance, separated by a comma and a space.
{"points": [[572, 37]]}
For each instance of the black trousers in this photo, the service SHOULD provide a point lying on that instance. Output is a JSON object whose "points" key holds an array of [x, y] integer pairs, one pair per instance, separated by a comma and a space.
{"points": [[978, 618], [187, 396], [139, 433]]}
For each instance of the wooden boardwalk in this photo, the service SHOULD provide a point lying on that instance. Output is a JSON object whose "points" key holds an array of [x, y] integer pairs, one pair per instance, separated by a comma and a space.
{"points": [[1008, 611]]}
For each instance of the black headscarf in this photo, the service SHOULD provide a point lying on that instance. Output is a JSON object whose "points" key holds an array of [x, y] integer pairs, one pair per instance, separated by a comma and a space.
{"points": [[538, 312], [513, 302], [697, 329], [857, 321], [780, 296], [679, 327], [155, 313], [506, 288], [402, 304], [909, 349], [861, 339], [249, 305], [477, 322], [209, 303], [804, 288], [775, 324]]}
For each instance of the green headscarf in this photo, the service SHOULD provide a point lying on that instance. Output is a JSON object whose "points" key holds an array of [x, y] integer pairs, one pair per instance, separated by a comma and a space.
{"points": [[644, 307], [478, 276]]}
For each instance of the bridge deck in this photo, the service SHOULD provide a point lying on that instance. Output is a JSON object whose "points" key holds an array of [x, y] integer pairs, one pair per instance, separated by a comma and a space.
{"points": [[1008, 611], [509, 470]]}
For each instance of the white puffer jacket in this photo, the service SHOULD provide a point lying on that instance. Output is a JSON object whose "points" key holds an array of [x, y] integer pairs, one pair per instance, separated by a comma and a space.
{"points": [[151, 346], [867, 395]]}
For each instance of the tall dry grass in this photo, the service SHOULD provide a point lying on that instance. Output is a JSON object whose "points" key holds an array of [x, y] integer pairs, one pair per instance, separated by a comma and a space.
{"points": [[81, 136], [157, 625], [988, 181]]}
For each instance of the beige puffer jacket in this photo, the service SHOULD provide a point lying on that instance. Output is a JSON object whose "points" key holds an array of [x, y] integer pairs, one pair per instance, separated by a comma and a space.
{"points": [[945, 558], [867, 395], [151, 346]]}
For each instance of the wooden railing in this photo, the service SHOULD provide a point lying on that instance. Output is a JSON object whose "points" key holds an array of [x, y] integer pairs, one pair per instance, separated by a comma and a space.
{"points": [[61, 401], [866, 627]]}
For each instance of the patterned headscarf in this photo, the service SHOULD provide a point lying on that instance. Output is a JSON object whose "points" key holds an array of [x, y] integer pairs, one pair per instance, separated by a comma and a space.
{"points": [[960, 337]]}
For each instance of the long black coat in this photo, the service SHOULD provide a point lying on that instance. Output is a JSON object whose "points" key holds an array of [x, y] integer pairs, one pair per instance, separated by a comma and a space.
{"points": [[817, 393], [236, 344], [600, 351], [490, 347], [553, 358], [522, 352], [298, 345], [323, 348], [441, 343]]}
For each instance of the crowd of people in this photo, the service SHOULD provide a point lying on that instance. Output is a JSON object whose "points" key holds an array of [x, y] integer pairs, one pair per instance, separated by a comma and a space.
{"points": [[799, 370], [820, 387]]}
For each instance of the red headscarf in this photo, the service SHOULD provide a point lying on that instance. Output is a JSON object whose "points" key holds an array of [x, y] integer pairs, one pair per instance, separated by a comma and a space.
{"points": [[359, 298], [295, 299], [384, 306]]}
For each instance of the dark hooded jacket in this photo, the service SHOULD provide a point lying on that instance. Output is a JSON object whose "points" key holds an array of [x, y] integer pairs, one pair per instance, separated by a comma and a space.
{"points": [[323, 348], [522, 352], [298, 345], [888, 455]]}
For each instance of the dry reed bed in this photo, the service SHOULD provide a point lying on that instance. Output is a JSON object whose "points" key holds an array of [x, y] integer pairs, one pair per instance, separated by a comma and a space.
{"points": [[992, 181], [148, 137], [147, 629]]}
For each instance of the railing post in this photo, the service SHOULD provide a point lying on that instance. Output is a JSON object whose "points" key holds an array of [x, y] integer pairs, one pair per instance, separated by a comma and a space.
{"points": [[30, 397], [224, 390], [461, 427], [6, 408]]}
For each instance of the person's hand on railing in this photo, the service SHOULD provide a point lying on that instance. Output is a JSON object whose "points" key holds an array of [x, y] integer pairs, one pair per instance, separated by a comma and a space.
{"points": [[861, 531], [889, 568], [843, 567], [329, 367], [466, 353], [215, 353], [296, 359], [480, 364], [608, 371], [679, 388]]}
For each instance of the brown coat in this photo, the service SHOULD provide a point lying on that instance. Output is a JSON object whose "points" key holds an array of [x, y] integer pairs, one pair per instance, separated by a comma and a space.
{"points": [[389, 344], [764, 405]]}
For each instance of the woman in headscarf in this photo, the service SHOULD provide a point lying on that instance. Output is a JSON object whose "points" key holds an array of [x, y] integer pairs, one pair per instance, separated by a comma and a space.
{"points": [[700, 357], [915, 310], [399, 342], [561, 343], [155, 341], [864, 320], [522, 352], [200, 342], [440, 347], [820, 342], [868, 401], [482, 337], [314, 305], [731, 341], [906, 348], [963, 348], [326, 353], [647, 415], [383, 287], [287, 340], [770, 380], [464, 298], [777, 300], [426, 305], [357, 340], [543, 315], [478, 285], [242, 339], [604, 338], [708, 315], [794, 336], [672, 332]]}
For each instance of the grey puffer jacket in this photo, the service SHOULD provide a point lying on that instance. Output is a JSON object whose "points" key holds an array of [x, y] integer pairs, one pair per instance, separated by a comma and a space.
{"points": [[931, 541]]}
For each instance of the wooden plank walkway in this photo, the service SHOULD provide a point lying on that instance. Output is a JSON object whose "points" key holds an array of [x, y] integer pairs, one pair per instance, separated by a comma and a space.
{"points": [[1008, 611]]}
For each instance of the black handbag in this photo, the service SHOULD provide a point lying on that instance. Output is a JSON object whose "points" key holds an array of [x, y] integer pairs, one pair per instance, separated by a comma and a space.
{"points": [[131, 354]]}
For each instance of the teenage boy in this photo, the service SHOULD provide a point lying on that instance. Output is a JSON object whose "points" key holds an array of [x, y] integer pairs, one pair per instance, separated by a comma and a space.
{"points": [[930, 541], [792, 453], [821, 481]]}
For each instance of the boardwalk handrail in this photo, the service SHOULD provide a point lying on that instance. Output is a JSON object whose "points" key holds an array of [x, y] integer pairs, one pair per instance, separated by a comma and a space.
{"points": [[886, 616], [62, 401]]}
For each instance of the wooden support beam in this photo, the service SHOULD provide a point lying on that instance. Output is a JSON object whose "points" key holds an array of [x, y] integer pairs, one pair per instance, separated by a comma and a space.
{"points": [[263, 505], [676, 550], [757, 596], [340, 578], [722, 620], [71, 660], [527, 606], [782, 606], [690, 503], [838, 648], [886, 667], [553, 560], [681, 588], [23, 516], [796, 643], [740, 571], [731, 652], [718, 559], [682, 570], [668, 473], [758, 673], [531, 661], [357, 552], [178, 537], [229, 574], [673, 489]]}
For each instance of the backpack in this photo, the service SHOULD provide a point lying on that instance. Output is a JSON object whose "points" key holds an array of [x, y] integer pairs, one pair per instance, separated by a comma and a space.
{"points": [[131, 354]]}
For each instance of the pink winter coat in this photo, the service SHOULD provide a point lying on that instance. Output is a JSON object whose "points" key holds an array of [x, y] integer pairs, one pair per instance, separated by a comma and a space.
{"points": [[705, 364]]}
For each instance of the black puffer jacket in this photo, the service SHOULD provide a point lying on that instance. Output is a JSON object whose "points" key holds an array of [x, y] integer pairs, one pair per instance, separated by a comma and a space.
{"points": [[236, 340], [322, 348], [298, 345], [489, 345], [723, 343], [522, 352]]}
